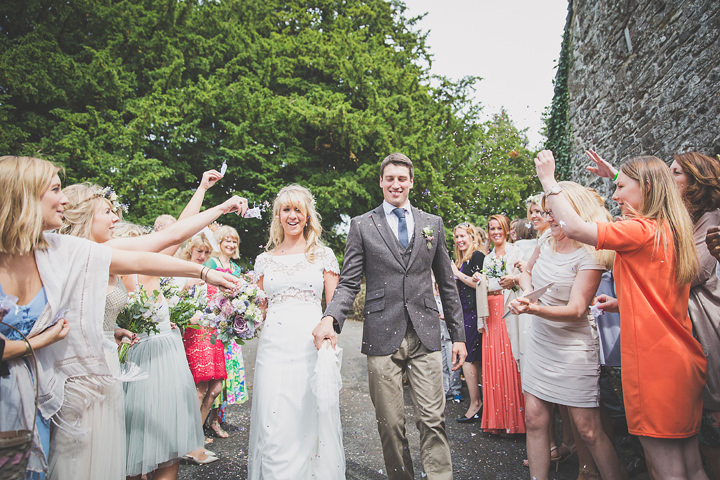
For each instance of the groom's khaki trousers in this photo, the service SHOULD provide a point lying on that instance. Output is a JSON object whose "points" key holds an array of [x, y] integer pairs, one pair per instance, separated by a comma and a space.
{"points": [[424, 373]]}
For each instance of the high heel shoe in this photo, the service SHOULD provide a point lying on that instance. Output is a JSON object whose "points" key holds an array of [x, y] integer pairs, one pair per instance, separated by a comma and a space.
{"points": [[561, 454], [208, 459], [472, 419]]}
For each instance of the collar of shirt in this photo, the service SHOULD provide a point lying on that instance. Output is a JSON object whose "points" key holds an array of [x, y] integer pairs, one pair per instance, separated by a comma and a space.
{"points": [[392, 219]]}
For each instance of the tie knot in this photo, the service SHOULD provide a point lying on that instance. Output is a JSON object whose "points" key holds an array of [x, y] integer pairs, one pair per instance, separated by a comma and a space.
{"points": [[399, 212]]}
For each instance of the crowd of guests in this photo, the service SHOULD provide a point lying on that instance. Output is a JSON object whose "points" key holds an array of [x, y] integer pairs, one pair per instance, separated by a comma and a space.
{"points": [[549, 302], [543, 299]]}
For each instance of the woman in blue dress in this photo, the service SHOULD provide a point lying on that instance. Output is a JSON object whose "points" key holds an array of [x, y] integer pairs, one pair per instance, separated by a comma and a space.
{"points": [[52, 276]]}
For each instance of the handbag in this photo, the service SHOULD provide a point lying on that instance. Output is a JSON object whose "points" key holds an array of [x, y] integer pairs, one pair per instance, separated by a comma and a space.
{"points": [[15, 445]]}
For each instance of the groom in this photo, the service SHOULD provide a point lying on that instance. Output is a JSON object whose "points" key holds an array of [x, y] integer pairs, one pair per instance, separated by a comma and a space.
{"points": [[397, 246]]}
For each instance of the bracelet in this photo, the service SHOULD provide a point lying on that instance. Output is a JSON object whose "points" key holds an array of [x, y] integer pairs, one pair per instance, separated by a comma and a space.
{"points": [[28, 349], [617, 174], [202, 270]]}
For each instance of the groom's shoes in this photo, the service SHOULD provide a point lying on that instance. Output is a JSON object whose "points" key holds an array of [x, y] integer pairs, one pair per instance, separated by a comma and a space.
{"points": [[472, 419]]}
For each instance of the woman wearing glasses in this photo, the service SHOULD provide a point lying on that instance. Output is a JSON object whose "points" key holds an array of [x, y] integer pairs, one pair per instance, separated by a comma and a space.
{"points": [[562, 358]]}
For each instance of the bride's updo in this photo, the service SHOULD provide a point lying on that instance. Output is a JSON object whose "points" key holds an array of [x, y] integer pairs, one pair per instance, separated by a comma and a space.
{"points": [[301, 198]]}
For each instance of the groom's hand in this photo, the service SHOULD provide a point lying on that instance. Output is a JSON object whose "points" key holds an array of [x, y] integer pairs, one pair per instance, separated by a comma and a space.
{"points": [[459, 352], [325, 330]]}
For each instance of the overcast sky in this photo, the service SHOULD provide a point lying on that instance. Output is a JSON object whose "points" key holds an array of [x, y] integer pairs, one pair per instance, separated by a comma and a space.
{"points": [[512, 44]]}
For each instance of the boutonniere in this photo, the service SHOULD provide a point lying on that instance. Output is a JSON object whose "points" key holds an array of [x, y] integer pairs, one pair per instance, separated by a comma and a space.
{"points": [[428, 232]]}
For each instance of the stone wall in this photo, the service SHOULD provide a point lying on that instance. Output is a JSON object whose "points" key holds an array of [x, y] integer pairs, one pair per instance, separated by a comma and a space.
{"points": [[644, 79]]}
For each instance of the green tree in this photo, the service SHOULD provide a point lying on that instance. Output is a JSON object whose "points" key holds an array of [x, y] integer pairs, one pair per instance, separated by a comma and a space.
{"points": [[145, 96]]}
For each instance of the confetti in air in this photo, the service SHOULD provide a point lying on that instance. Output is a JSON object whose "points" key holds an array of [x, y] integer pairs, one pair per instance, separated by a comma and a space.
{"points": [[254, 212], [223, 168], [562, 224]]}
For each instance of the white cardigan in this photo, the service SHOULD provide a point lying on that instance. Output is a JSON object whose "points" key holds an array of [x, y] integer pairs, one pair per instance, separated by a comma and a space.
{"points": [[74, 274]]}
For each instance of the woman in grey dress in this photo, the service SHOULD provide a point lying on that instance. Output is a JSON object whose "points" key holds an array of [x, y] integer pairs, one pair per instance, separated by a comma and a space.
{"points": [[562, 358]]}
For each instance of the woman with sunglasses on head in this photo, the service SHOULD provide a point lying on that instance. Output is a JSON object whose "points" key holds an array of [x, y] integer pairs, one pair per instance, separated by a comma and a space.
{"points": [[663, 366], [562, 356], [469, 257]]}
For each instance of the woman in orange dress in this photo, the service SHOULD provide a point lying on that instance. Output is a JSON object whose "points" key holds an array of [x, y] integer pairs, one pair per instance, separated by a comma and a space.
{"points": [[663, 366], [503, 402]]}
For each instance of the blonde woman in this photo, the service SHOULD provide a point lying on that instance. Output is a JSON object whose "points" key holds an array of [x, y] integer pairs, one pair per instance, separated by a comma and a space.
{"points": [[93, 213], [469, 257], [288, 439], [234, 389], [663, 366], [562, 356], [206, 361], [58, 273]]}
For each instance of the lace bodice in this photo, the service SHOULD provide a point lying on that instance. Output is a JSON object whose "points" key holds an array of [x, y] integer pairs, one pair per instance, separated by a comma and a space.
{"points": [[114, 303], [292, 278]]}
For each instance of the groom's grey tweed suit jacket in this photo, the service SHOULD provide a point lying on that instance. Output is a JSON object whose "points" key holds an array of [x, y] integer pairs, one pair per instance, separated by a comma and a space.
{"points": [[394, 287]]}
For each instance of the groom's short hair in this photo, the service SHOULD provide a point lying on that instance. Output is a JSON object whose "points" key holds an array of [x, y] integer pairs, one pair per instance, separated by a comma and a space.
{"points": [[397, 159]]}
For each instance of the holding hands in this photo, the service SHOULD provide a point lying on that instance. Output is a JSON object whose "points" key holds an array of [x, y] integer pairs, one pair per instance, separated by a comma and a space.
{"points": [[323, 331]]}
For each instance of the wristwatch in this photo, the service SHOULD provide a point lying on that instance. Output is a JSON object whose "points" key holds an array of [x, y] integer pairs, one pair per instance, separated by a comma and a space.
{"points": [[554, 190]]}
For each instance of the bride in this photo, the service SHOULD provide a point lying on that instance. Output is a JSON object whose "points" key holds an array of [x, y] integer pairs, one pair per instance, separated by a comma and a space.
{"points": [[287, 438]]}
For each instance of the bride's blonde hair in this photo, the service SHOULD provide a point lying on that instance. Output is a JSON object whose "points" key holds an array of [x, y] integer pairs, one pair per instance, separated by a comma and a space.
{"points": [[298, 197]]}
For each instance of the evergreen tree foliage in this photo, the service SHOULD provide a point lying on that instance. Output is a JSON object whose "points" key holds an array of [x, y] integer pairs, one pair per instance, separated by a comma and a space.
{"points": [[146, 95]]}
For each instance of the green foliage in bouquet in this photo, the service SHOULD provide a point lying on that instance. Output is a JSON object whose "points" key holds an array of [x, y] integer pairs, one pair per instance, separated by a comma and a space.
{"points": [[137, 316]]}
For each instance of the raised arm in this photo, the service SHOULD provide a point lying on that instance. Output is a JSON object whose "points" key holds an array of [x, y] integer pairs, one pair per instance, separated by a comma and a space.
{"points": [[602, 167], [209, 179], [181, 230], [573, 226]]}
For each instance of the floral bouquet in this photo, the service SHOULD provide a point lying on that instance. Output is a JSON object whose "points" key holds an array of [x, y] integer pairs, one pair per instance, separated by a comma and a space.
{"points": [[183, 303], [137, 316], [236, 315], [496, 269]]}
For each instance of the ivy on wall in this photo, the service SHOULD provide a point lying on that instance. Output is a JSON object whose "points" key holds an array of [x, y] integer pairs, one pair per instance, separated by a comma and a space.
{"points": [[557, 124]]}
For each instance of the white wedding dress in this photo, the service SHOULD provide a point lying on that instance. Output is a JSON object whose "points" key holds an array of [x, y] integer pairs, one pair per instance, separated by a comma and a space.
{"points": [[290, 438]]}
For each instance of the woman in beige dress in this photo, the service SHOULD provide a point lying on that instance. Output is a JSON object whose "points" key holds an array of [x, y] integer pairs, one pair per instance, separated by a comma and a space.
{"points": [[562, 358]]}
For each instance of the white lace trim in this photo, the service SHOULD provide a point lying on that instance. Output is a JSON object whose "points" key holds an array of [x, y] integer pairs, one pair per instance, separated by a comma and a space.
{"points": [[324, 255], [292, 293]]}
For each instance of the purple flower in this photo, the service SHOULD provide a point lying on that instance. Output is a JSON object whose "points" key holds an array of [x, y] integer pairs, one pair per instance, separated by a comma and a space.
{"points": [[240, 326], [227, 309]]}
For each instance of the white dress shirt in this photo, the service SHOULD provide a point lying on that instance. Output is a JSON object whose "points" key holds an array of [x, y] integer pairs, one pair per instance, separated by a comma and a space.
{"points": [[393, 220]]}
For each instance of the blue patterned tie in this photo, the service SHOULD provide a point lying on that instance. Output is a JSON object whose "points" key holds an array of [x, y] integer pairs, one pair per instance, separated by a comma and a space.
{"points": [[402, 226]]}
